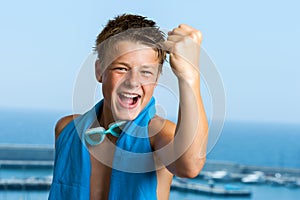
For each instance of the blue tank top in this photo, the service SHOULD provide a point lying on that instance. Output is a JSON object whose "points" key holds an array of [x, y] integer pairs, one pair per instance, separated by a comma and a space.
{"points": [[130, 177]]}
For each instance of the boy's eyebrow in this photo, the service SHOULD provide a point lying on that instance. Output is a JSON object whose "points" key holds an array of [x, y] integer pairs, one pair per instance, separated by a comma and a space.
{"points": [[120, 63], [128, 65], [148, 66]]}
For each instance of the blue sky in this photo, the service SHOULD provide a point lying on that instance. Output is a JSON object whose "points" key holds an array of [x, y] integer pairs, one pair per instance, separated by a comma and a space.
{"points": [[254, 44]]}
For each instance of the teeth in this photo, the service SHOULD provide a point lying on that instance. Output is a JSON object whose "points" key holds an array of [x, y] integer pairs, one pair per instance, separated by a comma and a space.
{"points": [[129, 95]]}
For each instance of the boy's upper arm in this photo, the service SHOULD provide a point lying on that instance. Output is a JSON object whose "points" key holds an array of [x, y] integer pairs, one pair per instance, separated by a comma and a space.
{"points": [[62, 123]]}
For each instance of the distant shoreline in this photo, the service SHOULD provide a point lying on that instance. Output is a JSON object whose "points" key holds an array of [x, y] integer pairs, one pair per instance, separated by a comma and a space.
{"points": [[42, 156]]}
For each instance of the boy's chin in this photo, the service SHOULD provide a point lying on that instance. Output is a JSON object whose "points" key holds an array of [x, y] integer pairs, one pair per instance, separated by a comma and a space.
{"points": [[127, 115]]}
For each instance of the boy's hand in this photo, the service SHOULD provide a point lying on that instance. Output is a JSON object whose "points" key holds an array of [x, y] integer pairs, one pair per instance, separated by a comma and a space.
{"points": [[183, 44]]}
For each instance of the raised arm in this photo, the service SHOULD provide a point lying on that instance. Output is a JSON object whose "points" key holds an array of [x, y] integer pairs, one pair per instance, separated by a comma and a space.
{"points": [[185, 144]]}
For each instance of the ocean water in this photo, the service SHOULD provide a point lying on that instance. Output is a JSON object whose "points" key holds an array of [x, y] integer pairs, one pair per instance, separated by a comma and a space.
{"points": [[260, 144], [28, 126]]}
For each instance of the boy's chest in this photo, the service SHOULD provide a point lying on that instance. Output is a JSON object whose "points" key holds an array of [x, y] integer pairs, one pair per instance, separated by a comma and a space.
{"points": [[101, 158], [99, 180]]}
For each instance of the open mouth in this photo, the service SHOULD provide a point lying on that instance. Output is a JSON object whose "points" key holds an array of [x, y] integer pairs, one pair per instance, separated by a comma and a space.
{"points": [[129, 100]]}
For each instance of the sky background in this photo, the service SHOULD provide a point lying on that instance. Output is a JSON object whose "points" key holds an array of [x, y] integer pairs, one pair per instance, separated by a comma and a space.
{"points": [[254, 44]]}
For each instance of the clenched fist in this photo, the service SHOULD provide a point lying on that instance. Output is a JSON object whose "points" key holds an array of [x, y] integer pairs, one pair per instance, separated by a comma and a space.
{"points": [[183, 44]]}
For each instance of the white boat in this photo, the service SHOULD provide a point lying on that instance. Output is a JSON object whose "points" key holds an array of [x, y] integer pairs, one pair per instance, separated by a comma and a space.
{"points": [[256, 177], [220, 175]]}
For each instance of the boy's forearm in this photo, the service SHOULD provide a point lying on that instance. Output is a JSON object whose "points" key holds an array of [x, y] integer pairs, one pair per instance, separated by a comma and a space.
{"points": [[191, 130], [189, 144]]}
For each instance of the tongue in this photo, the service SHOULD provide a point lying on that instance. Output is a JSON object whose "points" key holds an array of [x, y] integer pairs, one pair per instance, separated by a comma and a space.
{"points": [[129, 101]]}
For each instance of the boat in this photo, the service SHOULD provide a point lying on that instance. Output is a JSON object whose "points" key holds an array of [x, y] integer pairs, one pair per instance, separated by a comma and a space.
{"points": [[221, 176], [256, 177]]}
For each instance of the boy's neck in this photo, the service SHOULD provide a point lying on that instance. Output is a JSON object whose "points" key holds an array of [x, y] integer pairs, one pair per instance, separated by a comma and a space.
{"points": [[105, 117]]}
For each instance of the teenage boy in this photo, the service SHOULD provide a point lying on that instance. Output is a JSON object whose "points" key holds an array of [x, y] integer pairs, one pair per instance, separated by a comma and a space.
{"points": [[141, 151]]}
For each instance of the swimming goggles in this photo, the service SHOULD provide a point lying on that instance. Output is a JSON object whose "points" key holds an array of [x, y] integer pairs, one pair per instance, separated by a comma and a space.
{"points": [[95, 136]]}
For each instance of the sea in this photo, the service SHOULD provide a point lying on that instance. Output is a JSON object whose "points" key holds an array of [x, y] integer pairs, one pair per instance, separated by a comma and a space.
{"points": [[246, 143]]}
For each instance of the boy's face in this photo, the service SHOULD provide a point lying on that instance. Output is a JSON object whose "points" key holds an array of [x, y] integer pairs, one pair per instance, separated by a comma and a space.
{"points": [[129, 80]]}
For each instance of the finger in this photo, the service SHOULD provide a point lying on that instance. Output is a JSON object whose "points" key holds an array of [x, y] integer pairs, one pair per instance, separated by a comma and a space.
{"points": [[178, 31], [186, 27], [186, 30], [174, 38], [193, 33], [168, 46]]}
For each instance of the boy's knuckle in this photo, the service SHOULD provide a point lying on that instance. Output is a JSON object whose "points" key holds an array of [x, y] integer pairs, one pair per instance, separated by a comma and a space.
{"points": [[197, 35]]}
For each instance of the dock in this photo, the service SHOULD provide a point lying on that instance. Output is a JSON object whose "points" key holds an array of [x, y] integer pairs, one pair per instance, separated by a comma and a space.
{"points": [[32, 183], [16, 156]]}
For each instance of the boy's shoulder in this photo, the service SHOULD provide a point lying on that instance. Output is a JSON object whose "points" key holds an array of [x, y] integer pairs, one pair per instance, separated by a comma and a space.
{"points": [[161, 130], [63, 122], [158, 124]]}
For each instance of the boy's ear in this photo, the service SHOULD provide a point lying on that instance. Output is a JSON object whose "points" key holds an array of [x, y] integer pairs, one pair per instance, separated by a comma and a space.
{"points": [[98, 71]]}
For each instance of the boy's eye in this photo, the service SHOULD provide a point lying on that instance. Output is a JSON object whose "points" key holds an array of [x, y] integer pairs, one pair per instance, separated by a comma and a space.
{"points": [[120, 69], [147, 73]]}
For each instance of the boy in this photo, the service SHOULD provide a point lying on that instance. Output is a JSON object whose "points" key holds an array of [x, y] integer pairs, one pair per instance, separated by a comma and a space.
{"points": [[141, 151]]}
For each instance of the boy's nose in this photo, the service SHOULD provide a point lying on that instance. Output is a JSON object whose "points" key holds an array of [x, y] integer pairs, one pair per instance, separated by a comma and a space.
{"points": [[133, 79]]}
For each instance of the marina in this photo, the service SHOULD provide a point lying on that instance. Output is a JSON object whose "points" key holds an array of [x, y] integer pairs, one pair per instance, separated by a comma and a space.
{"points": [[232, 172], [209, 189], [226, 174]]}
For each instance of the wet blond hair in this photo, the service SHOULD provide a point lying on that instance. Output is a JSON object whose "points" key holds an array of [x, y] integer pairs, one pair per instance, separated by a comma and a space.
{"points": [[134, 28]]}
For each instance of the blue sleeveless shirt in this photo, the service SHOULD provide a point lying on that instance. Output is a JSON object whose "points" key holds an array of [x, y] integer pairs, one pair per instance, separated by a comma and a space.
{"points": [[132, 176]]}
